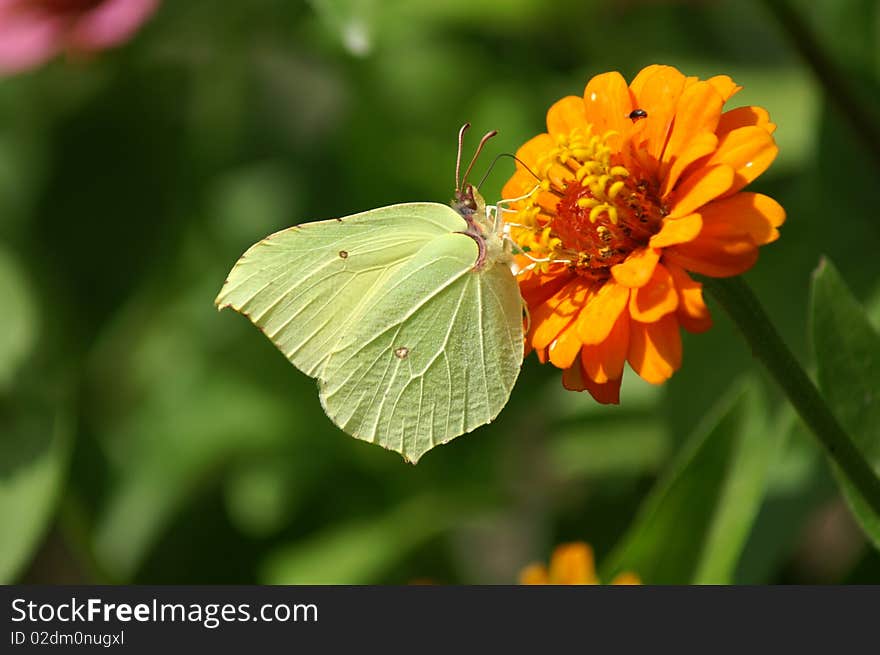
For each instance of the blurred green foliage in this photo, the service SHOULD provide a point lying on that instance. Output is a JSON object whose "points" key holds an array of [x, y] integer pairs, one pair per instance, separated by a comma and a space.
{"points": [[848, 361], [145, 438]]}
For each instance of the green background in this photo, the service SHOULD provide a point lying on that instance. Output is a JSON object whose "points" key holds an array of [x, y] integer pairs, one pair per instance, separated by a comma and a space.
{"points": [[146, 438]]}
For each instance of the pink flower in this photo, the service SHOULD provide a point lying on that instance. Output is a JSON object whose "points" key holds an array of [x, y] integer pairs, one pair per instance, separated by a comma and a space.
{"points": [[34, 31]]}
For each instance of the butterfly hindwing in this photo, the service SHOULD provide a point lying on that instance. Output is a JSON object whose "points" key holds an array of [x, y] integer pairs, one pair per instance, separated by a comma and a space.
{"points": [[433, 356]]}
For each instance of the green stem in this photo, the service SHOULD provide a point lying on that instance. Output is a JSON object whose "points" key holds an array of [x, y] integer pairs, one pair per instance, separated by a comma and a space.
{"points": [[838, 90], [743, 307]]}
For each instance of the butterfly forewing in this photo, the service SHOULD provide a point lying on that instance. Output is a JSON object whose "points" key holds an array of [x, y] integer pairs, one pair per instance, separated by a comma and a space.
{"points": [[304, 287]]}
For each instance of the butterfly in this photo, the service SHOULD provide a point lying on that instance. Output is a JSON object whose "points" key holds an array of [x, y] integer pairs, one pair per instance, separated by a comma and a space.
{"points": [[408, 316]]}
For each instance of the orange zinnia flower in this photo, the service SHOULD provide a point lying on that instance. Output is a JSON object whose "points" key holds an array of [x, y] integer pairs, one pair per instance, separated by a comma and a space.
{"points": [[636, 185], [571, 564]]}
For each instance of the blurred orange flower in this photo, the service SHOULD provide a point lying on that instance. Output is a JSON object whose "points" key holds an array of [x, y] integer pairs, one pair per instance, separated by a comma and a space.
{"points": [[637, 185], [571, 564]]}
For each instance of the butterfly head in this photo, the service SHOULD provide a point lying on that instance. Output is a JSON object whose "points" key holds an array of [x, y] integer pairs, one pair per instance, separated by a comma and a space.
{"points": [[467, 200]]}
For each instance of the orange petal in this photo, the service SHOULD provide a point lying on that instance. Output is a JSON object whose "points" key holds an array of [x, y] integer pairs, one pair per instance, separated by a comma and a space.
{"points": [[715, 257], [531, 151], [597, 318], [692, 313], [574, 379], [643, 76], [566, 347], [608, 103], [752, 214], [536, 288], [749, 150], [553, 316], [534, 574], [700, 187], [565, 115], [677, 230], [542, 355], [607, 394], [698, 112], [547, 202], [519, 184], [744, 117], [627, 578], [656, 299], [604, 362], [515, 186], [522, 183], [733, 227], [658, 95], [573, 564], [559, 176], [697, 148], [637, 269], [725, 86], [655, 349]]}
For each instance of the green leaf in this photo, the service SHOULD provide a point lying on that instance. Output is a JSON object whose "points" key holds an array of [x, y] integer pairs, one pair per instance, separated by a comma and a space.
{"points": [[626, 446], [258, 496], [180, 436], [848, 366], [360, 551], [797, 485], [694, 524], [17, 320], [33, 459], [173, 419], [351, 20]]}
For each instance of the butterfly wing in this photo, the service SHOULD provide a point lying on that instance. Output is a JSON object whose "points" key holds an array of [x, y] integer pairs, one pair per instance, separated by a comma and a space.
{"points": [[434, 354], [305, 287]]}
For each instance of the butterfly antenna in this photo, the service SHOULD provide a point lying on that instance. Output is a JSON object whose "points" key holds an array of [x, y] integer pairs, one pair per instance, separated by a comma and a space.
{"points": [[495, 161], [464, 128], [483, 141]]}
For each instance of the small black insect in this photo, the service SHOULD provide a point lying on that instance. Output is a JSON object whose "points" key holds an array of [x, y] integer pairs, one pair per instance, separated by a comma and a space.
{"points": [[637, 114]]}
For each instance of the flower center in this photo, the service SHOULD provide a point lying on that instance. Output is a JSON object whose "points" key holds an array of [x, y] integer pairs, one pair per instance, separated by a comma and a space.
{"points": [[604, 210]]}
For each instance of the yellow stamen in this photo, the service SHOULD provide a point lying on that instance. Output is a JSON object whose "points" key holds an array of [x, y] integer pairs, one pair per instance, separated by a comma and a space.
{"points": [[591, 223]]}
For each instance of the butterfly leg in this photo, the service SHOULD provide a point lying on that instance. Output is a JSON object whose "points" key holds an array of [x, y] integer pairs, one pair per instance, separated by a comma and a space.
{"points": [[498, 208]]}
